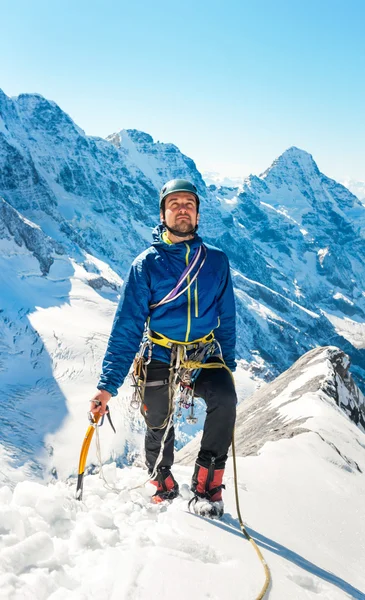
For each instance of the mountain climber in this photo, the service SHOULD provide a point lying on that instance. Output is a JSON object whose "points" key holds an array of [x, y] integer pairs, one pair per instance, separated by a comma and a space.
{"points": [[198, 312]]}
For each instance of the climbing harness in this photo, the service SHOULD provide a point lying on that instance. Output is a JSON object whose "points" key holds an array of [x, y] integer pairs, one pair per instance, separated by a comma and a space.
{"points": [[181, 379]]}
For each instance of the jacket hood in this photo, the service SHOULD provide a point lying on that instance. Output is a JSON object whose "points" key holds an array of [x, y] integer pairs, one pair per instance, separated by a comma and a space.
{"points": [[157, 239]]}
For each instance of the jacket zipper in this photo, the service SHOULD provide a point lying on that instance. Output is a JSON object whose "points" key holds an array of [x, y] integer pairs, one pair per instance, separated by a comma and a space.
{"points": [[196, 299], [189, 296]]}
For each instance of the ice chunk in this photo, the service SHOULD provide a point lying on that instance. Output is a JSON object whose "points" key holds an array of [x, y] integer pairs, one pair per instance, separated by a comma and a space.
{"points": [[27, 493], [27, 553]]}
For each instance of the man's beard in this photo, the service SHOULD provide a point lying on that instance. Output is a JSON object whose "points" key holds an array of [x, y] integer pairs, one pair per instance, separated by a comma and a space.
{"points": [[183, 225]]}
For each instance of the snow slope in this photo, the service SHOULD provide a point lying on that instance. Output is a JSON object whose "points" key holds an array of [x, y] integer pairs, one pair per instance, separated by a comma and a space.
{"points": [[50, 354], [301, 496]]}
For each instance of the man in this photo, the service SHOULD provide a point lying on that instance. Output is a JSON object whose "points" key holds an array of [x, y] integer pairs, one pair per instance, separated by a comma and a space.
{"points": [[182, 288]]}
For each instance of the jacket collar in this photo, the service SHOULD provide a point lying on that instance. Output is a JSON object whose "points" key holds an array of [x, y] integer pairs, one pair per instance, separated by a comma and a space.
{"points": [[158, 242]]}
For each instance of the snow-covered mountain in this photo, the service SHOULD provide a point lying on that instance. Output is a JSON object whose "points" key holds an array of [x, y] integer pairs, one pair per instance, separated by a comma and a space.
{"points": [[218, 180], [77, 209], [301, 482], [309, 231]]}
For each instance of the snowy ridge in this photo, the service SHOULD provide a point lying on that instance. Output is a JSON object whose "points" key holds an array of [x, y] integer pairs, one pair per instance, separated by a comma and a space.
{"points": [[321, 375]]}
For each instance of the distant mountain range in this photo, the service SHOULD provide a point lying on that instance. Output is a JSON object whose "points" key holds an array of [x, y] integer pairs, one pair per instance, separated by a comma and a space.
{"points": [[356, 187], [295, 238], [215, 178]]}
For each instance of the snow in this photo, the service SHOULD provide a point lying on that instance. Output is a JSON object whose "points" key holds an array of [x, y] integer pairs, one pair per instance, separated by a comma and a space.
{"points": [[309, 312], [322, 253], [298, 291], [283, 211], [301, 499], [265, 313], [118, 545], [351, 330], [339, 296]]}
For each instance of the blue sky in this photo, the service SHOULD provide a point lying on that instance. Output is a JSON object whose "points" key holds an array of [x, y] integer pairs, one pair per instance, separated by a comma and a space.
{"points": [[232, 84]]}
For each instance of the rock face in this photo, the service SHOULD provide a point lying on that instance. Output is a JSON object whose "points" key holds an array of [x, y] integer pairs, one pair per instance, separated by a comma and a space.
{"points": [[14, 226], [295, 238], [318, 382]]}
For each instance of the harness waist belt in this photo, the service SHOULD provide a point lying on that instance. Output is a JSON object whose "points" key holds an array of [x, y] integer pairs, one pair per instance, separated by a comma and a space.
{"points": [[162, 340], [156, 383]]}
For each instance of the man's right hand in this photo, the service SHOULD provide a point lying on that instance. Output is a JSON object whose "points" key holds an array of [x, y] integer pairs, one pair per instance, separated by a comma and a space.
{"points": [[99, 402]]}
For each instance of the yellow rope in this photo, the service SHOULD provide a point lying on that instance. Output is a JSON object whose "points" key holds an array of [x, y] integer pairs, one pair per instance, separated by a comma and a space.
{"points": [[244, 530], [194, 364], [197, 365]]}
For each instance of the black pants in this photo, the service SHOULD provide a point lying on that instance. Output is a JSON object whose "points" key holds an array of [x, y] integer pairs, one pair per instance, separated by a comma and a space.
{"points": [[216, 387]]}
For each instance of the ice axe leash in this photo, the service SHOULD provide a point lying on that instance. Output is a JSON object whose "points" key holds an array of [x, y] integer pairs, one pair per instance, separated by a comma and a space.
{"points": [[96, 421]]}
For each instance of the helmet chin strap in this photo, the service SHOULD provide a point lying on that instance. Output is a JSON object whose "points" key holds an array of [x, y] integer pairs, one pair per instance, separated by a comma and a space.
{"points": [[179, 233]]}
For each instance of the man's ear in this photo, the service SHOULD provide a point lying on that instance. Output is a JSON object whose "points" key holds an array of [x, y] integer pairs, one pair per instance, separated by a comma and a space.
{"points": [[197, 218], [162, 217]]}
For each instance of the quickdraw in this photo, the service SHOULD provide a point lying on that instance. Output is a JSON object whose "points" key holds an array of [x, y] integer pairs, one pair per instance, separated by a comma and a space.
{"points": [[139, 372]]}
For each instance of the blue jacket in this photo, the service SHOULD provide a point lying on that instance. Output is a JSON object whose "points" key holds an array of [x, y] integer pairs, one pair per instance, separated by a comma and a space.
{"points": [[207, 305]]}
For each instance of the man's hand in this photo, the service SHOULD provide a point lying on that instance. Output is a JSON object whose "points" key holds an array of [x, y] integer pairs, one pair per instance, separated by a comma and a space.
{"points": [[99, 402]]}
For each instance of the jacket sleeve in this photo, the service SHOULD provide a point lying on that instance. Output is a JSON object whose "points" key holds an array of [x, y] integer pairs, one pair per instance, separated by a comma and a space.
{"points": [[128, 327], [226, 332]]}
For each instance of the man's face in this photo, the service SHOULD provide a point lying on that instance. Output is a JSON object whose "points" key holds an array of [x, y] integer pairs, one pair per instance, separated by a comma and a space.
{"points": [[180, 211]]}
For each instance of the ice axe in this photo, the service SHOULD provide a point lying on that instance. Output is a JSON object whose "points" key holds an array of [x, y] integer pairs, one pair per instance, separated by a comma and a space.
{"points": [[95, 421]]}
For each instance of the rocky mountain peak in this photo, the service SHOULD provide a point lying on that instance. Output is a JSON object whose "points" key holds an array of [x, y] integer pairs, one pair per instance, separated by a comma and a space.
{"points": [[40, 114], [294, 163], [124, 137]]}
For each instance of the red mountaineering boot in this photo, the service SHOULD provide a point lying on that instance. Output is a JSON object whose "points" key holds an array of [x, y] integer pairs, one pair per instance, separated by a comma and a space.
{"points": [[207, 487], [167, 487]]}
